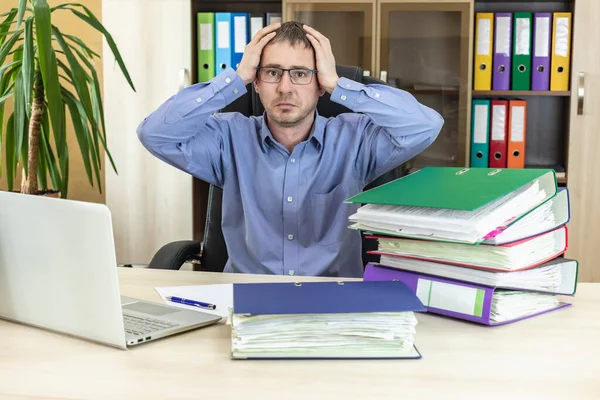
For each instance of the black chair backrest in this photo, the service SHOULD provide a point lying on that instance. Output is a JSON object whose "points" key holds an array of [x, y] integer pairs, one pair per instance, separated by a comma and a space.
{"points": [[214, 249]]}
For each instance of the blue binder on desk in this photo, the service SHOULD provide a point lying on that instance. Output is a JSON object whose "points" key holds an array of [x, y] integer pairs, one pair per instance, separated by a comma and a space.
{"points": [[324, 320]]}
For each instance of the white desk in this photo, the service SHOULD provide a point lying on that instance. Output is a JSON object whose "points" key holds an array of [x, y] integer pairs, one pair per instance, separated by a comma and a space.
{"points": [[555, 356]]}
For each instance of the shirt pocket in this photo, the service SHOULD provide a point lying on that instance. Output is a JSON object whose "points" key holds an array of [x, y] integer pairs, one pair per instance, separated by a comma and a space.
{"points": [[329, 215]]}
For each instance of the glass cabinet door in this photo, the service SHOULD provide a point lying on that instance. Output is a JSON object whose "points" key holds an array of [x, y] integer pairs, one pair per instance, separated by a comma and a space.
{"points": [[348, 25], [423, 48]]}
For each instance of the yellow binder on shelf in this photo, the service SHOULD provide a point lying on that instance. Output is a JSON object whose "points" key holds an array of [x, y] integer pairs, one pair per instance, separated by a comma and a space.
{"points": [[484, 39], [561, 51]]}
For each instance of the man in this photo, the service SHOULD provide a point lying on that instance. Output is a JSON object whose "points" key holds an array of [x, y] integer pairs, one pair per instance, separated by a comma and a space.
{"points": [[285, 175]]}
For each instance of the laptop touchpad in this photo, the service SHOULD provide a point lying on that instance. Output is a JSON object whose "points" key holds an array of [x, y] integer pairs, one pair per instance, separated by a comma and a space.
{"points": [[149, 308]]}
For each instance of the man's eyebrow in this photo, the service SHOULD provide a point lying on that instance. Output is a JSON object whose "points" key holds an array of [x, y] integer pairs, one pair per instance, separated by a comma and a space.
{"points": [[279, 66]]}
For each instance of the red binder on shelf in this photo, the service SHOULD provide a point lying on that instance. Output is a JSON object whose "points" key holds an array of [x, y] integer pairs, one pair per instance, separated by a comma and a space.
{"points": [[498, 134]]}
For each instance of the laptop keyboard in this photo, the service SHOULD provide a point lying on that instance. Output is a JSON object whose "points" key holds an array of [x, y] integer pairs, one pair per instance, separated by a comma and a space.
{"points": [[142, 326]]}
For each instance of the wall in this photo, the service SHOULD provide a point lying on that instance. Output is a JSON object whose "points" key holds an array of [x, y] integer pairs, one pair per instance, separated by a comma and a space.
{"points": [[67, 22], [150, 201]]}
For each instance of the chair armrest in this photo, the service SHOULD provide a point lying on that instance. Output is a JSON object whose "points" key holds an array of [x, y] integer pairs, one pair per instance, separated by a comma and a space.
{"points": [[174, 254]]}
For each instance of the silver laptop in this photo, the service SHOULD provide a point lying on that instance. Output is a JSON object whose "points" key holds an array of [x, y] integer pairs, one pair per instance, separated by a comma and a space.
{"points": [[58, 271]]}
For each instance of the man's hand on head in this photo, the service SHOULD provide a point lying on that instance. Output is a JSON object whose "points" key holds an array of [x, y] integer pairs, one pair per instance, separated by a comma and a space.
{"points": [[253, 51], [327, 74]]}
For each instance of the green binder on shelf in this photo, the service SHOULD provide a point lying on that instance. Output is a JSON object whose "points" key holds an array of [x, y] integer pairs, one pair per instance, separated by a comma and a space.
{"points": [[206, 46], [468, 205], [521, 52]]}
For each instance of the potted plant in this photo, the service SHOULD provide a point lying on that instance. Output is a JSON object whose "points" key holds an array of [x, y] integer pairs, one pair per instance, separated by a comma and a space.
{"points": [[46, 72]]}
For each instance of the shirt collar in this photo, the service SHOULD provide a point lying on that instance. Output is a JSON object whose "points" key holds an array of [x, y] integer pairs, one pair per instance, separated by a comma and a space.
{"points": [[316, 132]]}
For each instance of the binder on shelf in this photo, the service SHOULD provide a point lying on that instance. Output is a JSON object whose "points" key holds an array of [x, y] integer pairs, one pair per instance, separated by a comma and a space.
{"points": [[223, 57], [482, 304], [239, 34], [517, 133], [540, 63], [502, 51], [561, 51], [499, 133], [484, 31], [521, 63], [273, 18], [257, 22], [370, 320], [480, 133], [462, 205], [206, 48]]}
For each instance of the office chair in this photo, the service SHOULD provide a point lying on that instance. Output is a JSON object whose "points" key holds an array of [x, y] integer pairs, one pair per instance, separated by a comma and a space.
{"points": [[211, 254]]}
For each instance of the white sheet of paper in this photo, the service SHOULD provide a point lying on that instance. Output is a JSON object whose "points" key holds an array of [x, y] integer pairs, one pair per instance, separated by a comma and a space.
{"points": [[219, 294]]}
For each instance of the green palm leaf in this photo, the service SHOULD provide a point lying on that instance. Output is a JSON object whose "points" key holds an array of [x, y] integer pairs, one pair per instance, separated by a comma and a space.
{"points": [[93, 21], [28, 65], [22, 7], [49, 70]]}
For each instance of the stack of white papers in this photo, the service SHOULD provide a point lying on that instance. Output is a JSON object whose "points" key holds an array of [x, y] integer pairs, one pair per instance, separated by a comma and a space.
{"points": [[448, 224], [324, 335], [512, 257], [558, 276], [510, 304]]}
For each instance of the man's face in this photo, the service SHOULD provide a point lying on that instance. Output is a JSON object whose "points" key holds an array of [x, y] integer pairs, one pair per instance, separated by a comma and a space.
{"points": [[286, 103]]}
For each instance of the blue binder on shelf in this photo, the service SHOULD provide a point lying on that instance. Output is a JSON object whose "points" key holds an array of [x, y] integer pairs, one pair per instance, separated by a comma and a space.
{"points": [[223, 48], [480, 133], [239, 35], [309, 301]]}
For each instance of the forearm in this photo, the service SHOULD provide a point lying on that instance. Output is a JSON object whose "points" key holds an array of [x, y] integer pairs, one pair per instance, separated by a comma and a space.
{"points": [[395, 111], [185, 114]]}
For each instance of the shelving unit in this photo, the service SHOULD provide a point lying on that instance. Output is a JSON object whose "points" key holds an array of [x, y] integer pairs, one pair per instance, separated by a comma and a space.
{"points": [[519, 93]]}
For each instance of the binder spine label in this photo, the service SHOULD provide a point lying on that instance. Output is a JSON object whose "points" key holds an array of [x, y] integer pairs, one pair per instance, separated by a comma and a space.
{"points": [[206, 37], [449, 297], [562, 37]]}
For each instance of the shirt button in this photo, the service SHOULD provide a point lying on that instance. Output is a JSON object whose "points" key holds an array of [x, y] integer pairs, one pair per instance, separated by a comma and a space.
{"points": [[348, 85], [343, 97], [290, 199], [227, 80], [290, 237], [199, 99], [291, 272], [292, 160], [376, 94], [235, 91]]}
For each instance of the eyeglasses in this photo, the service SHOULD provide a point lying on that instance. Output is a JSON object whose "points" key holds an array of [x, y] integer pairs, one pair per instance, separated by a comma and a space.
{"points": [[298, 76]]}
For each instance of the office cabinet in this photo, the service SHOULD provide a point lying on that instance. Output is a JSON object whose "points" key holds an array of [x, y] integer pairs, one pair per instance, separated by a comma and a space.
{"points": [[583, 164], [418, 46], [349, 26]]}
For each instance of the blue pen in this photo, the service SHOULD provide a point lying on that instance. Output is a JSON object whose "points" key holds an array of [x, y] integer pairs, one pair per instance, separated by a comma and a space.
{"points": [[193, 303]]}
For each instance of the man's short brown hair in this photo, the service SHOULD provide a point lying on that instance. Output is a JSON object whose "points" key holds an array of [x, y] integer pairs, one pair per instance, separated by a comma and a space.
{"points": [[293, 33]]}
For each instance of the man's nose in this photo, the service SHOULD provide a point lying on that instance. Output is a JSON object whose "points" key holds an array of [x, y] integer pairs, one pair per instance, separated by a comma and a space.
{"points": [[285, 84]]}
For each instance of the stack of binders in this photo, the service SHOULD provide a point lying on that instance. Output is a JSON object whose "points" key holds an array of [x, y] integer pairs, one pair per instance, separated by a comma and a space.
{"points": [[481, 244]]}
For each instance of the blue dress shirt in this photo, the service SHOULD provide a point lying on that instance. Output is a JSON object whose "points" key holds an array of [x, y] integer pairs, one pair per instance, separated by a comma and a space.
{"points": [[285, 213]]}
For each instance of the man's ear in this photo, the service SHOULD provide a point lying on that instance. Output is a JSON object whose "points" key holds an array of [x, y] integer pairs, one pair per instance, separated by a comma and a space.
{"points": [[256, 86], [321, 91]]}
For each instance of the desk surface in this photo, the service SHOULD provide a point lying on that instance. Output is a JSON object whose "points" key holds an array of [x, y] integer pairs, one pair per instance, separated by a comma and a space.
{"points": [[554, 356]]}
